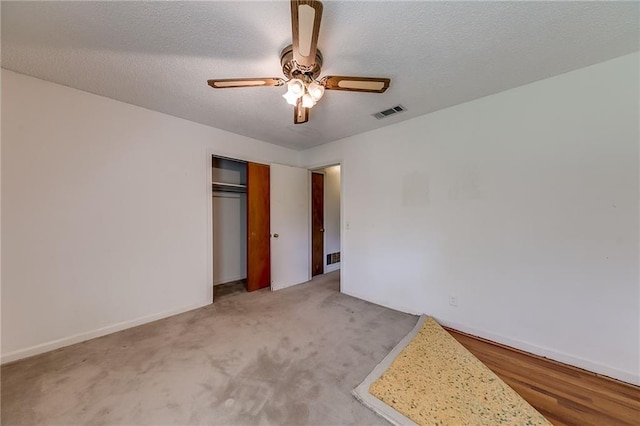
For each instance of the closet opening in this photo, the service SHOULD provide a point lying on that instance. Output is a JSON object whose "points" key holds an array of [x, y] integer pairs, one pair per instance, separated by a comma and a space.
{"points": [[240, 226], [229, 190]]}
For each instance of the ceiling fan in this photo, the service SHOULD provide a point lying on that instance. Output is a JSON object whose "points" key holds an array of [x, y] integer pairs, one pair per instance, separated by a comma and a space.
{"points": [[301, 64]]}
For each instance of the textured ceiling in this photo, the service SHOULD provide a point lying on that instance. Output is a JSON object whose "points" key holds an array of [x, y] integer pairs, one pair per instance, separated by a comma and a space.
{"points": [[159, 55]]}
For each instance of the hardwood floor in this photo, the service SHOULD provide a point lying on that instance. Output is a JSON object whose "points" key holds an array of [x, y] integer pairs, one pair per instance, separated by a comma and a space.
{"points": [[565, 395]]}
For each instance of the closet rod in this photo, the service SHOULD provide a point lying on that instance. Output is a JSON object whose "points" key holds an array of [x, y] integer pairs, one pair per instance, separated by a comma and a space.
{"points": [[228, 187]]}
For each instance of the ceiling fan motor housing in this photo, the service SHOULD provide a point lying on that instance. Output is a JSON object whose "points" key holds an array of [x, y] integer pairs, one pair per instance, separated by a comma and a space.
{"points": [[291, 69]]}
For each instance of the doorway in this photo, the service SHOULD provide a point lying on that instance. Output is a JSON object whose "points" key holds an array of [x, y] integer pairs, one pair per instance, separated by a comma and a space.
{"points": [[325, 219], [317, 223]]}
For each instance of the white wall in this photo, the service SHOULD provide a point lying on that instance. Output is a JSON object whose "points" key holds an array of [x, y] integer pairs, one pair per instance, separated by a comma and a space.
{"points": [[523, 204], [106, 213], [331, 214]]}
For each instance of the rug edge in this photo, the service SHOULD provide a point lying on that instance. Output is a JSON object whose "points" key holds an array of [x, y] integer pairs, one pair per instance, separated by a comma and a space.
{"points": [[361, 392]]}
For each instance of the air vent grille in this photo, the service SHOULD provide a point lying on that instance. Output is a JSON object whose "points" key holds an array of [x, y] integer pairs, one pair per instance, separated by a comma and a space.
{"points": [[333, 258], [387, 112]]}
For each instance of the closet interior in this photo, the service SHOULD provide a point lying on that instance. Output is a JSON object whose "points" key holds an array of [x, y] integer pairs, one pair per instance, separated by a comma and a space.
{"points": [[229, 186], [241, 238]]}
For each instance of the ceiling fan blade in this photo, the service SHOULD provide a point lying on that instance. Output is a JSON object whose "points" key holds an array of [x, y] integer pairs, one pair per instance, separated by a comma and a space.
{"points": [[305, 26], [300, 113], [357, 84], [245, 82]]}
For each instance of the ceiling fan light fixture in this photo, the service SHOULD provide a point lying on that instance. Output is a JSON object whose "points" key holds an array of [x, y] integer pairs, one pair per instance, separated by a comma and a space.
{"points": [[295, 87], [307, 101], [291, 98], [315, 90]]}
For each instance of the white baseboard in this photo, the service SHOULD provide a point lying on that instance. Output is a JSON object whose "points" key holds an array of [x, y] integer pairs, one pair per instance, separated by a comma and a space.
{"points": [[331, 268], [594, 367], [81, 337], [400, 308]]}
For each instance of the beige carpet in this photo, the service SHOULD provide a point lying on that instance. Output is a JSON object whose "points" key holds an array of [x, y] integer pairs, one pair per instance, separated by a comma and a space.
{"points": [[288, 357], [433, 379]]}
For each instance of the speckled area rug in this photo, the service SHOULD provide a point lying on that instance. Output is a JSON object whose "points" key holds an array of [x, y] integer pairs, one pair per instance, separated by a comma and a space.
{"points": [[429, 378]]}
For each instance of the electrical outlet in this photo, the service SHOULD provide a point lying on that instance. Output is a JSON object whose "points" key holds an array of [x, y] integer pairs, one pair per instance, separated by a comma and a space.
{"points": [[453, 300]]}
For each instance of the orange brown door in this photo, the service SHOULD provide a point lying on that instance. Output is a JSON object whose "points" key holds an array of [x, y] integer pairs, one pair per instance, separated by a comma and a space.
{"points": [[317, 224], [258, 227]]}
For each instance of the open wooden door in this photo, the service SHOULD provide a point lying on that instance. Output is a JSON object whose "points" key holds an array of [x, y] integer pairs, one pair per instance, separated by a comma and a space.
{"points": [[258, 225], [317, 224], [290, 226]]}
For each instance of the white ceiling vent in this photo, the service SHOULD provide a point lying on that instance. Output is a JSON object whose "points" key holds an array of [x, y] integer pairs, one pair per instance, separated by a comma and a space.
{"points": [[387, 112]]}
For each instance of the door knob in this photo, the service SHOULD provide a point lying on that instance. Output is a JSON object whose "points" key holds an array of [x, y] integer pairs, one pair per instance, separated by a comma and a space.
{"points": [[322, 230], [275, 235]]}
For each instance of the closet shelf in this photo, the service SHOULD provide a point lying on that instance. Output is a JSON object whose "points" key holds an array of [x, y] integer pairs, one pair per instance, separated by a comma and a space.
{"points": [[228, 187]]}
